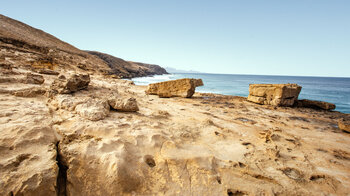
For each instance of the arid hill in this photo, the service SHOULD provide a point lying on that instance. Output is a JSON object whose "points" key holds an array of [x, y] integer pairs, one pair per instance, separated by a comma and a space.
{"points": [[128, 69], [23, 45]]}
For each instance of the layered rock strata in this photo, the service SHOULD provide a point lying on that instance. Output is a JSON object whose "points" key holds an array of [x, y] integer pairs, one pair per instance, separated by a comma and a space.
{"points": [[174, 88], [274, 94]]}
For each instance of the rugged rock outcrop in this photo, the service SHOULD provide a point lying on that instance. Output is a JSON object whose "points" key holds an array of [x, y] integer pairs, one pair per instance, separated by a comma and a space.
{"points": [[150, 69], [70, 84], [315, 104], [128, 69], [174, 88], [124, 104], [344, 125], [274, 94]]}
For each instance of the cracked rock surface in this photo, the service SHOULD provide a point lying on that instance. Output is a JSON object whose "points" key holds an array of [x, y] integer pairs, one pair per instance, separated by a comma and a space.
{"points": [[206, 145]]}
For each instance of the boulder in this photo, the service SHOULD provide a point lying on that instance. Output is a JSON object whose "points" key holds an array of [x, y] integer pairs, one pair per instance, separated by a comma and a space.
{"points": [[305, 103], [66, 101], [174, 88], [33, 79], [274, 94], [344, 125], [93, 109], [124, 104], [73, 83]]}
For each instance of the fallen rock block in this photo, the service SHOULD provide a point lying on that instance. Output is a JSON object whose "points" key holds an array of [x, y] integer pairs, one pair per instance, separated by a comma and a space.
{"points": [[93, 109], [73, 83], [124, 104], [174, 88], [274, 94], [33, 79], [305, 103], [344, 125]]}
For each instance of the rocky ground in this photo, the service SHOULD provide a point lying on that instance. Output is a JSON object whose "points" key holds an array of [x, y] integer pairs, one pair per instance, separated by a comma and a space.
{"points": [[68, 126], [78, 144]]}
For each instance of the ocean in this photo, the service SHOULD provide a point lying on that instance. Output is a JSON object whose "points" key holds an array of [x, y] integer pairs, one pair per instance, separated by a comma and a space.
{"points": [[329, 89]]}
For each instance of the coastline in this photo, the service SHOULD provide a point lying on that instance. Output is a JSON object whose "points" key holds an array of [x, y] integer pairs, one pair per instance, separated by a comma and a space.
{"points": [[321, 89]]}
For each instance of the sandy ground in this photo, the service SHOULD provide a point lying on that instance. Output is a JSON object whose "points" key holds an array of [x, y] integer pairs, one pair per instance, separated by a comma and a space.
{"points": [[205, 145]]}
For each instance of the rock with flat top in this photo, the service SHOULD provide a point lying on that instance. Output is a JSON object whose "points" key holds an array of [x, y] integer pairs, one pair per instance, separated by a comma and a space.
{"points": [[93, 109], [124, 104], [274, 94], [73, 83], [174, 88], [315, 104]]}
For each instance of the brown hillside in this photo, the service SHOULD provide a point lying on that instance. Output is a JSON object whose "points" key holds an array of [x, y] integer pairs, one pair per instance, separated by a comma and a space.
{"points": [[24, 46]]}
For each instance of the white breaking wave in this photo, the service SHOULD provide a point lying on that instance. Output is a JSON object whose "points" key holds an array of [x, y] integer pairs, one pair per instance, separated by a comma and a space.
{"points": [[153, 79]]}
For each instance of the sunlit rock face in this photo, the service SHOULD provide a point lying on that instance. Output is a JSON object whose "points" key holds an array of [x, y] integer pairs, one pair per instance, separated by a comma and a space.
{"points": [[175, 88], [274, 94]]}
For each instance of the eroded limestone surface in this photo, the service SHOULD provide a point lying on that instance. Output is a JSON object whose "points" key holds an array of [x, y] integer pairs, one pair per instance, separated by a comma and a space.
{"points": [[207, 145]]}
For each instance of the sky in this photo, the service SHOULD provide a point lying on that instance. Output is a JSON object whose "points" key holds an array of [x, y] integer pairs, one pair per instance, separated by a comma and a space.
{"points": [[270, 37]]}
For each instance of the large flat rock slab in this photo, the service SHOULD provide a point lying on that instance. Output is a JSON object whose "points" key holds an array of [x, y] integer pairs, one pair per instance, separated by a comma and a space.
{"points": [[274, 94], [175, 88]]}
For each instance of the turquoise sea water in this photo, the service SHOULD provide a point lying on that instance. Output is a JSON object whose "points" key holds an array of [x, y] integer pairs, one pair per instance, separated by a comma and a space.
{"points": [[329, 89]]}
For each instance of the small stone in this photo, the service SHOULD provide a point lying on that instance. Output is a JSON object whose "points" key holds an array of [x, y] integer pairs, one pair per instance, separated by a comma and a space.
{"points": [[93, 109], [124, 104]]}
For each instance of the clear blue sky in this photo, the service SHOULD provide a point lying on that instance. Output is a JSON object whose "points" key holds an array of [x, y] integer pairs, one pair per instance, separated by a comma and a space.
{"points": [[296, 37]]}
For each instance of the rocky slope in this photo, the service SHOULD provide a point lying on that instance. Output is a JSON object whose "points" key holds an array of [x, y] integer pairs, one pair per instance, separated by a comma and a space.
{"points": [[128, 69], [25, 46]]}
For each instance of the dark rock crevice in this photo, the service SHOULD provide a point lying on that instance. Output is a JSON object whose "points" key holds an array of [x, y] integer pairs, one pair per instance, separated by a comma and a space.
{"points": [[61, 185]]}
